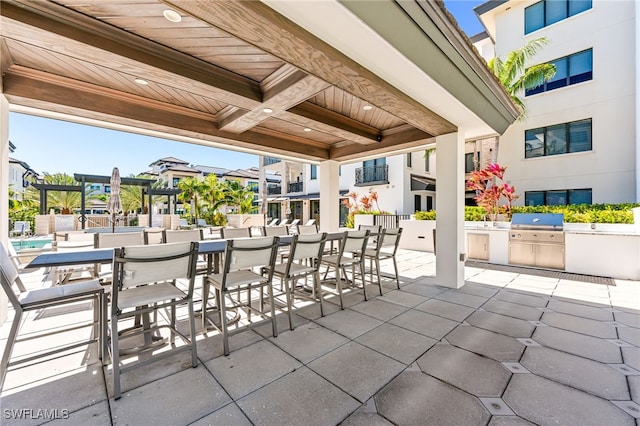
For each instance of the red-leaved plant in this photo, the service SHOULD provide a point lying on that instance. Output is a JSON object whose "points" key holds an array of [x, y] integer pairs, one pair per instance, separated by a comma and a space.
{"points": [[361, 205], [490, 188]]}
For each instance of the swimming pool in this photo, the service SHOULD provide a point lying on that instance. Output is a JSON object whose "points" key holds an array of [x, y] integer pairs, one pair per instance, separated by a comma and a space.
{"points": [[30, 243]]}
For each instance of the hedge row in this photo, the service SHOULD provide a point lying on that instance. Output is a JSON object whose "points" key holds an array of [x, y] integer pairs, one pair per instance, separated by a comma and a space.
{"points": [[580, 213]]}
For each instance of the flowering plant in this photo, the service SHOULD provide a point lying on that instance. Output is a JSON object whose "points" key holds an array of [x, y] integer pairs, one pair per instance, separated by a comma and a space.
{"points": [[361, 205], [490, 188]]}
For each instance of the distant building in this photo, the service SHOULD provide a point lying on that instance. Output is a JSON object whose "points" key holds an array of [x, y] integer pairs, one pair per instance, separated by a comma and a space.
{"points": [[21, 175], [172, 170]]}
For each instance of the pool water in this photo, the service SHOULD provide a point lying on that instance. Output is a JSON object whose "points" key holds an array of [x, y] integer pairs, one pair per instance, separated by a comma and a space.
{"points": [[31, 243]]}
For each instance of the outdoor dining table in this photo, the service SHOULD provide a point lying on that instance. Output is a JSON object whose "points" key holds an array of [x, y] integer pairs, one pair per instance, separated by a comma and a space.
{"points": [[211, 248]]}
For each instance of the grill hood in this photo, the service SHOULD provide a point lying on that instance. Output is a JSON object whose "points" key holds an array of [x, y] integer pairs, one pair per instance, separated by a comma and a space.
{"points": [[551, 221]]}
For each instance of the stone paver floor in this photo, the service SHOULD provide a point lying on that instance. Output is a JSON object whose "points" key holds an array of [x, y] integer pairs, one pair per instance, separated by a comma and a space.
{"points": [[512, 347]]}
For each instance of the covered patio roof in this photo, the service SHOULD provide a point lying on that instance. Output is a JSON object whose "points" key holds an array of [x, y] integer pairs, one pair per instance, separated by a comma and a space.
{"points": [[314, 81]]}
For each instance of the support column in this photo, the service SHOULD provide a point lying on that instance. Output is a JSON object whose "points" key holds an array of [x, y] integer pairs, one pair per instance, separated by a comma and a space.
{"points": [[450, 210], [4, 189], [329, 174], [637, 117]]}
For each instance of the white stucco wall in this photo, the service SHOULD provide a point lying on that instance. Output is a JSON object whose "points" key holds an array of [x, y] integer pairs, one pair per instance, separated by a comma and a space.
{"points": [[608, 99]]}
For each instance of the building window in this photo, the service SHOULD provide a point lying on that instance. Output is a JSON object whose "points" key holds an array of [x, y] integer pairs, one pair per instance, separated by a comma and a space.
{"points": [[409, 159], [314, 172], [107, 189], [570, 70], [253, 186], [373, 171], [427, 160], [429, 203], [558, 139], [176, 181], [271, 160], [469, 162], [558, 197], [549, 12]]}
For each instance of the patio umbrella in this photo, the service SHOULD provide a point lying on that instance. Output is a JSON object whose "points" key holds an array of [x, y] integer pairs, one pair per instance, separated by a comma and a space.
{"points": [[114, 205]]}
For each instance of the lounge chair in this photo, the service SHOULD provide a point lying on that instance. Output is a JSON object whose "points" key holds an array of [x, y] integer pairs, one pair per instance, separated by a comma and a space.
{"points": [[183, 224], [21, 228]]}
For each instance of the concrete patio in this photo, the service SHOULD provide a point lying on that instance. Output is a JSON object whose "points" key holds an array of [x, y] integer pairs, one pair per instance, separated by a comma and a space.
{"points": [[512, 347]]}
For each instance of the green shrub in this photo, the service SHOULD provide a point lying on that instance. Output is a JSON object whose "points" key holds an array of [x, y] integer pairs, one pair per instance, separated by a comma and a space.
{"points": [[350, 221], [214, 218], [23, 214], [575, 213], [430, 215]]}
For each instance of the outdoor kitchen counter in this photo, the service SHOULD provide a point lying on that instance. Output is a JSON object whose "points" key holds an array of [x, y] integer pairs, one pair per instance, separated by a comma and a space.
{"points": [[606, 253], [609, 250]]}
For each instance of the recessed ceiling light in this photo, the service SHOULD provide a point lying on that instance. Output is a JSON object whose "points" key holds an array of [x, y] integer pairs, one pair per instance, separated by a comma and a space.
{"points": [[141, 81], [267, 110], [306, 129], [172, 15], [367, 107]]}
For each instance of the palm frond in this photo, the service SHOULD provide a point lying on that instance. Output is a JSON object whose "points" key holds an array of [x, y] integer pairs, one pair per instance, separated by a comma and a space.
{"points": [[535, 76]]}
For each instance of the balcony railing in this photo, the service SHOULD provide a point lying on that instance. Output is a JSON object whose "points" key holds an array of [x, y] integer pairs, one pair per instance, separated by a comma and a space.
{"points": [[274, 189], [374, 174], [295, 187]]}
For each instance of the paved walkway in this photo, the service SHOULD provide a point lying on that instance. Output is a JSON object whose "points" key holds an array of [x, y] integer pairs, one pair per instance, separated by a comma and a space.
{"points": [[511, 347]]}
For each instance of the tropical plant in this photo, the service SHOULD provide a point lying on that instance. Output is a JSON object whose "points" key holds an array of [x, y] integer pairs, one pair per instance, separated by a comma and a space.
{"points": [[14, 202], [361, 205], [21, 209], [212, 192], [131, 195], [516, 77], [191, 188], [238, 197], [490, 188]]}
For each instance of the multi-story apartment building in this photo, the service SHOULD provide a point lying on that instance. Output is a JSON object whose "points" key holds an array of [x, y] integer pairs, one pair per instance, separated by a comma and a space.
{"points": [[172, 170], [578, 141]]}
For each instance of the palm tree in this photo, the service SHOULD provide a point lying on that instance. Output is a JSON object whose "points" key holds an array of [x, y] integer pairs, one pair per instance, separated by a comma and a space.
{"points": [[516, 77], [131, 195], [238, 196], [212, 192], [191, 188]]}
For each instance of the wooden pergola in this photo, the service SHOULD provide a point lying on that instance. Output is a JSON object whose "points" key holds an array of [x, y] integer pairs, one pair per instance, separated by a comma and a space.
{"points": [[324, 82]]}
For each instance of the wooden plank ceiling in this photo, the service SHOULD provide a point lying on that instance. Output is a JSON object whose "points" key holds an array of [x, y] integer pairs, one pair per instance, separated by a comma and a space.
{"points": [[229, 72]]}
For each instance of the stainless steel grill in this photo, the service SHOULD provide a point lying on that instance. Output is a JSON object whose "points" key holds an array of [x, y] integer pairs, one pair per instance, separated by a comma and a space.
{"points": [[537, 239]]}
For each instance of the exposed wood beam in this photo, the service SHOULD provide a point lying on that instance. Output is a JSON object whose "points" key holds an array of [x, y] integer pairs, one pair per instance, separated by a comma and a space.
{"points": [[5, 61], [52, 18], [258, 24], [402, 137], [54, 90], [283, 89], [331, 122]]}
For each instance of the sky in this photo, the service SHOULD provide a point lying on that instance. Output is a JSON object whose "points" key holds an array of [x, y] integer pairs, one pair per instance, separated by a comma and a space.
{"points": [[55, 146]]}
